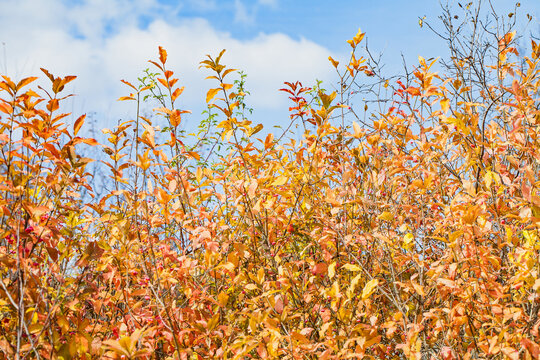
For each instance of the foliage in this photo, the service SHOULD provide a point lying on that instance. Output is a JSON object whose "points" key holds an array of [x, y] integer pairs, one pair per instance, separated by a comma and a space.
{"points": [[413, 236]]}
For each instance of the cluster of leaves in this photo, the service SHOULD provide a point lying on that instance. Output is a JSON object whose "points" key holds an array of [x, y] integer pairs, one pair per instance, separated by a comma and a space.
{"points": [[413, 236]]}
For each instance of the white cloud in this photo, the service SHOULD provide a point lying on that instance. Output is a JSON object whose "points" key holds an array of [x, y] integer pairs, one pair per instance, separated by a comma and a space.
{"points": [[101, 58]]}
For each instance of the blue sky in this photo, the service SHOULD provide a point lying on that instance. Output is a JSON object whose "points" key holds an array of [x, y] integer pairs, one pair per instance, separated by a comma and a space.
{"points": [[103, 41]]}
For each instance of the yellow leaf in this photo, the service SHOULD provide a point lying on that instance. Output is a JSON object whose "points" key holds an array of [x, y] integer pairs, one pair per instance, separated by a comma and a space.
{"points": [[354, 282], [260, 276], [351, 267], [223, 298], [359, 36], [116, 346], [388, 216], [134, 338], [370, 288], [281, 180], [530, 238], [407, 239], [211, 94], [357, 130], [124, 98], [417, 184], [63, 323], [256, 129], [334, 62], [445, 105], [332, 270], [213, 322]]}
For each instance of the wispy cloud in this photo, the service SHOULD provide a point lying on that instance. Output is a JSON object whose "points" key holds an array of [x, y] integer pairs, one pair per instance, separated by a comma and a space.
{"points": [[271, 3], [242, 15], [204, 5], [41, 34], [247, 15]]}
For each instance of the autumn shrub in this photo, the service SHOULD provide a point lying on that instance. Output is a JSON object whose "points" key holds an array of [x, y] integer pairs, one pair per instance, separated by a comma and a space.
{"points": [[410, 234]]}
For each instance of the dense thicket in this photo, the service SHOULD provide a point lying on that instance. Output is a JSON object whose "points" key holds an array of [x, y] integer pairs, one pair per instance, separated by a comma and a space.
{"points": [[411, 232]]}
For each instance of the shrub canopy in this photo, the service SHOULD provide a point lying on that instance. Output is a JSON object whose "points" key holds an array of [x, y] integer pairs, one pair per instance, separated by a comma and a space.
{"points": [[410, 232]]}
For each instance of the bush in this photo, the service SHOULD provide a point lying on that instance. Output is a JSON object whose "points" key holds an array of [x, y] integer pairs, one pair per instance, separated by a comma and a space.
{"points": [[411, 233]]}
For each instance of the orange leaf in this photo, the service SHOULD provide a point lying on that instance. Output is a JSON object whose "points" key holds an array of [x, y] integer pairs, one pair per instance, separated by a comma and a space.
{"points": [[419, 289], [129, 84], [320, 268], [334, 62], [194, 155], [175, 118], [279, 305], [89, 141], [532, 347], [163, 82], [516, 87], [177, 93], [413, 91], [53, 105], [156, 64], [78, 123], [25, 82], [512, 353], [162, 55], [268, 141], [49, 75], [5, 107]]}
